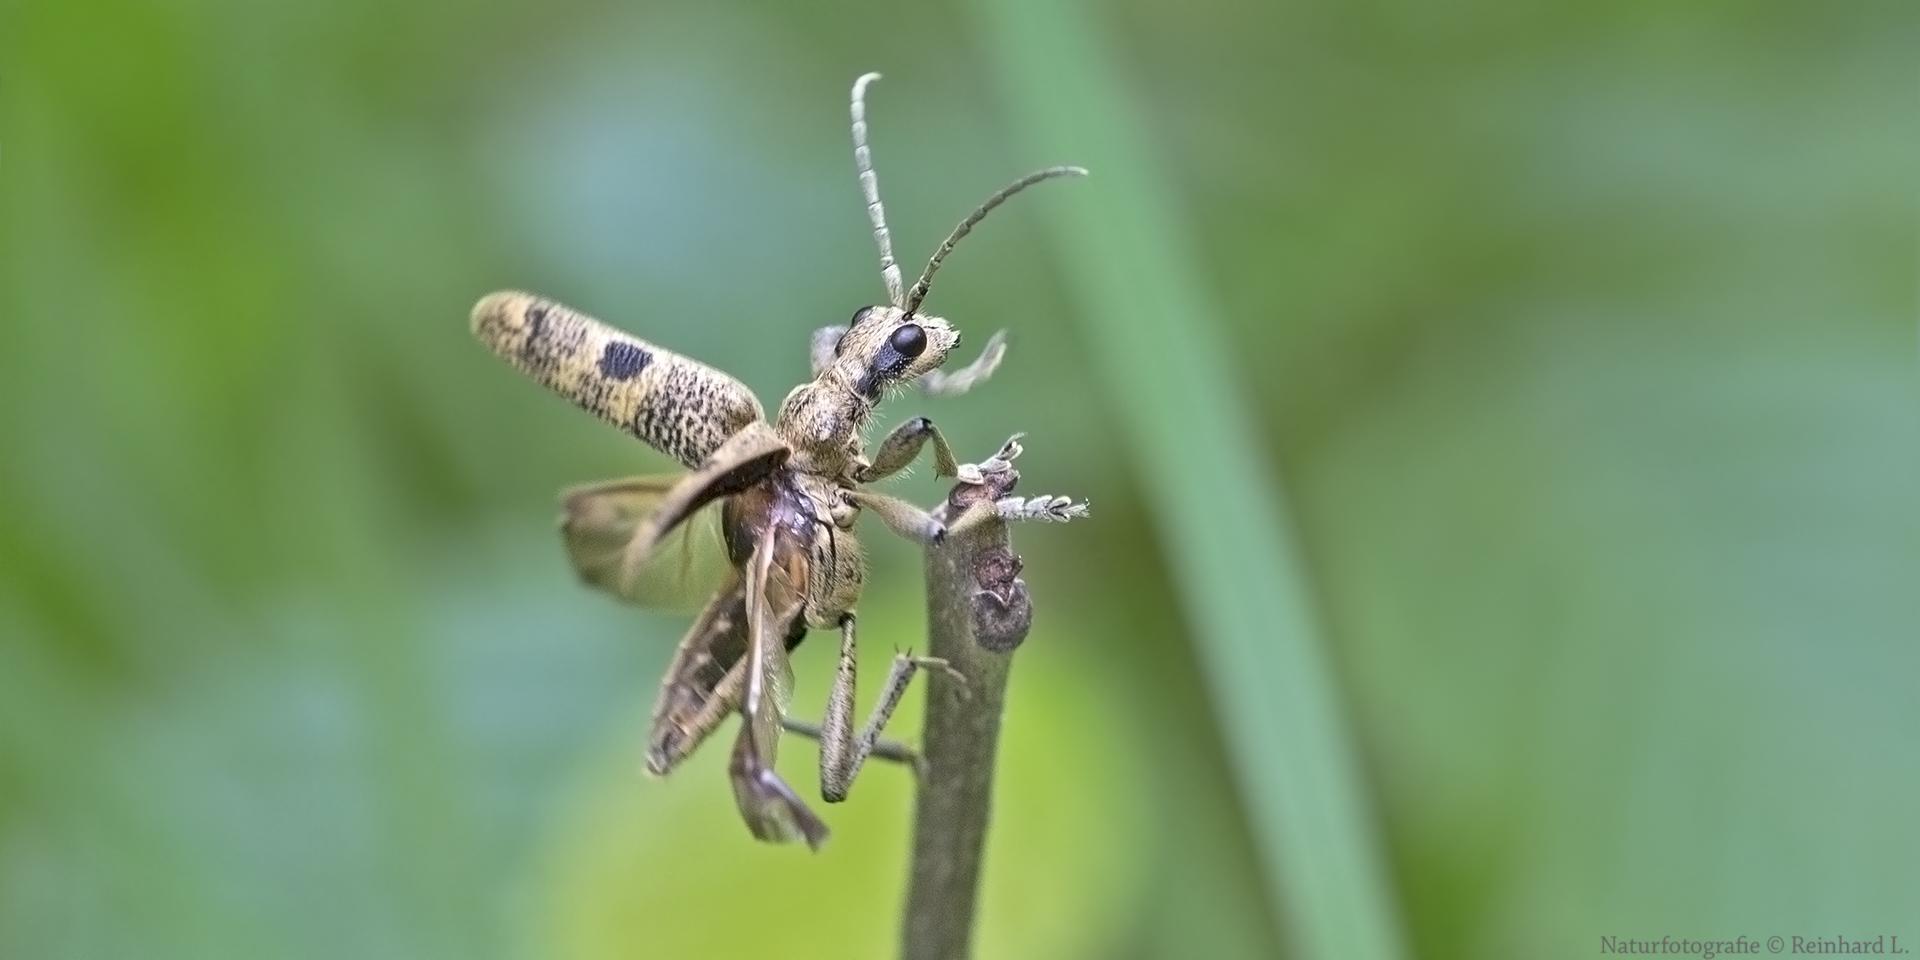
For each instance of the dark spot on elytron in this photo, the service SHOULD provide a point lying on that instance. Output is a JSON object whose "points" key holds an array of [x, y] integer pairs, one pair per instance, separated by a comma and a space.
{"points": [[536, 330], [623, 361]]}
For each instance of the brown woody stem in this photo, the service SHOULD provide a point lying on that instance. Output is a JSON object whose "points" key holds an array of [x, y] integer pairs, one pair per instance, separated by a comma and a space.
{"points": [[978, 611]]}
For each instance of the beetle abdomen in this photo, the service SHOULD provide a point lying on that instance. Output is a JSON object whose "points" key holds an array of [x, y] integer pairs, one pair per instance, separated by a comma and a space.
{"points": [[681, 407]]}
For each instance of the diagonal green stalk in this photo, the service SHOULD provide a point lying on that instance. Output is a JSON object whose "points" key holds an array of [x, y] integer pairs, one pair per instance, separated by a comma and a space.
{"points": [[1154, 331]]}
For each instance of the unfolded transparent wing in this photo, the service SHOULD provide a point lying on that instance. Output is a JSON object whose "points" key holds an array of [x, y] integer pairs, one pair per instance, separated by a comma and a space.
{"points": [[598, 521]]}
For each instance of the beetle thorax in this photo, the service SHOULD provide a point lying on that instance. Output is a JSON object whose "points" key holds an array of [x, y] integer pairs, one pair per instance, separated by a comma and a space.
{"points": [[824, 420], [881, 348]]}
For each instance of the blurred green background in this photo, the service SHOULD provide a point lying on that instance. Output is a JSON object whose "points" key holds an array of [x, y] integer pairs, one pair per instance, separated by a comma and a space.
{"points": [[1582, 336]]}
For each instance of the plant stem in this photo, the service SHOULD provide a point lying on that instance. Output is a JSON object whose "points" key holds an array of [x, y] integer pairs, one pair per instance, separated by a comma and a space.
{"points": [[978, 612]]}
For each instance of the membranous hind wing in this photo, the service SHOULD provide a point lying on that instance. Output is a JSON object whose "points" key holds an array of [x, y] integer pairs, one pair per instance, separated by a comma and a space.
{"points": [[649, 539], [687, 566]]}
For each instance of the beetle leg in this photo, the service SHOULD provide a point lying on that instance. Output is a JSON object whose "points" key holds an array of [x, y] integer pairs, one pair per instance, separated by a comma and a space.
{"points": [[901, 517], [885, 748], [838, 751], [902, 445], [940, 383], [842, 753]]}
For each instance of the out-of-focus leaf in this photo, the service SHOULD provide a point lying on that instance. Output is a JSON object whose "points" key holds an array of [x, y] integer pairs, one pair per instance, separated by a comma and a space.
{"points": [[1220, 512]]}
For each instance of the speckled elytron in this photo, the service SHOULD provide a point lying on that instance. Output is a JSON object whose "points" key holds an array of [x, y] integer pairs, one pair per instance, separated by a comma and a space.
{"points": [[680, 407], [788, 494]]}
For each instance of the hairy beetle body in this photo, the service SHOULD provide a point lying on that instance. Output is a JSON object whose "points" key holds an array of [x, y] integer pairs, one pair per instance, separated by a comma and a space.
{"points": [[788, 492]]}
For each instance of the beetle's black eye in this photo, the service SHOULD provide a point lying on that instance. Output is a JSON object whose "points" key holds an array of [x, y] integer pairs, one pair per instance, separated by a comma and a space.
{"points": [[910, 340]]}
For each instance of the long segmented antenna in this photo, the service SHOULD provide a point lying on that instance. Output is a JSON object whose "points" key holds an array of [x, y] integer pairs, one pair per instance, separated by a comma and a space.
{"points": [[870, 189], [919, 291]]}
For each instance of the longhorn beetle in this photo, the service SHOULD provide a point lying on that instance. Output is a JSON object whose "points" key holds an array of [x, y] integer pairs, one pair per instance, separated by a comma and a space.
{"points": [[787, 495]]}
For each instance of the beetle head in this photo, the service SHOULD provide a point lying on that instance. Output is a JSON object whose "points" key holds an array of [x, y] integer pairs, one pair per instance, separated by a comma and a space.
{"points": [[887, 347]]}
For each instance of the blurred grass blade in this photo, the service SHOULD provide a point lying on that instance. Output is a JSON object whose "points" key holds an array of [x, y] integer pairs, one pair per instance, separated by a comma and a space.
{"points": [[1154, 333]]}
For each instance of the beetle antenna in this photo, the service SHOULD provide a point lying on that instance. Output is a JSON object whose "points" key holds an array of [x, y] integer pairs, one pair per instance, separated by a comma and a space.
{"points": [[919, 291], [870, 189]]}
